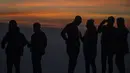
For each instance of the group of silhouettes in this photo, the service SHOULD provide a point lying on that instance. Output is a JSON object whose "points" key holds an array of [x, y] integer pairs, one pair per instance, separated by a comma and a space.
{"points": [[16, 42], [113, 42]]}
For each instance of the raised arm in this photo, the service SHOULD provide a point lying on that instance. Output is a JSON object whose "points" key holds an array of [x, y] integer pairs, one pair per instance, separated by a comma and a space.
{"points": [[100, 27], [63, 33]]}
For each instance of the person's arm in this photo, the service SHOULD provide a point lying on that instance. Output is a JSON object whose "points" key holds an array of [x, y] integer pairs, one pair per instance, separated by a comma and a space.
{"points": [[100, 27], [43, 43], [45, 40], [96, 36], [80, 35], [127, 32], [30, 44], [25, 42], [63, 33], [4, 41]]}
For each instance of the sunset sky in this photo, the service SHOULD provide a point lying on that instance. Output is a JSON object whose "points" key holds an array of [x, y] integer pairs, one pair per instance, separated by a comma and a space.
{"points": [[60, 12]]}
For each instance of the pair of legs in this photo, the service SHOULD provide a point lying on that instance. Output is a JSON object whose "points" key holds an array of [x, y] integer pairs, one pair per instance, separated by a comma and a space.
{"points": [[107, 56], [13, 60], [73, 53], [36, 61], [90, 52], [119, 60], [90, 60]]}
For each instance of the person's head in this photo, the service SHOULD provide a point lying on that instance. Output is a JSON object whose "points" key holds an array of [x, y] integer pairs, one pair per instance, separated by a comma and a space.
{"points": [[36, 27], [120, 22], [111, 21], [90, 23], [12, 25], [77, 20]]}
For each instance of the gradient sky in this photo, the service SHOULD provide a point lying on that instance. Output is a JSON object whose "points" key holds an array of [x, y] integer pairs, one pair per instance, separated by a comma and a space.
{"points": [[60, 12]]}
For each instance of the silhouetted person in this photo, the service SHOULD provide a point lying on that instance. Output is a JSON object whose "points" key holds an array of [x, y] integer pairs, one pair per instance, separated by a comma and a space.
{"points": [[38, 45], [107, 43], [71, 35], [90, 46], [122, 44], [15, 41]]}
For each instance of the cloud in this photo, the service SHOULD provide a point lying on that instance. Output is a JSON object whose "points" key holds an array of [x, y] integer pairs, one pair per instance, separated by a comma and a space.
{"points": [[62, 11]]}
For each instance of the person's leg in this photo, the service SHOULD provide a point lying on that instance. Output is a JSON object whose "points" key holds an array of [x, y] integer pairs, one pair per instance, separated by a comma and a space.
{"points": [[73, 53], [103, 61], [119, 60], [39, 64], [17, 64], [87, 64], [34, 63], [110, 63], [9, 62], [93, 65], [72, 63]]}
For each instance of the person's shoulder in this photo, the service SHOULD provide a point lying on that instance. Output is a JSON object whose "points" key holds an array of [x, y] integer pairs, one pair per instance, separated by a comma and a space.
{"points": [[7, 34], [69, 24], [42, 32], [21, 34]]}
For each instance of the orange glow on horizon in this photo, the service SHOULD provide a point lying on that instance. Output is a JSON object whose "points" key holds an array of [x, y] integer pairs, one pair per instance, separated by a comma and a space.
{"points": [[59, 12]]}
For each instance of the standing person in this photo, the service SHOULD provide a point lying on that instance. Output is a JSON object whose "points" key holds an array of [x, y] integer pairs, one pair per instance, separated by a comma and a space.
{"points": [[37, 47], [15, 41], [107, 43], [71, 35], [90, 46], [122, 44]]}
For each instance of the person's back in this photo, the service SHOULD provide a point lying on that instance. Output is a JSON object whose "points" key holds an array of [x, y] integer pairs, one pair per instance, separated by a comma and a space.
{"points": [[20, 42], [122, 44], [90, 38], [15, 42], [108, 38], [73, 33], [108, 34], [121, 39], [37, 47], [38, 41], [90, 46], [108, 43]]}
